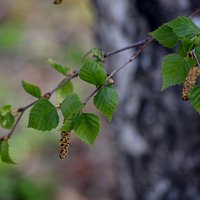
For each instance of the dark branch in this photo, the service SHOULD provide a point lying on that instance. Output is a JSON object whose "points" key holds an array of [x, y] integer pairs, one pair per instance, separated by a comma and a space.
{"points": [[134, 45], [23, 109]]}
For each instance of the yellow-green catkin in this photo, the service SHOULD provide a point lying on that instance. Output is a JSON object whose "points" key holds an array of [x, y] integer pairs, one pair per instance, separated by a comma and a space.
{"points": [[64, 144], [190, 81]]}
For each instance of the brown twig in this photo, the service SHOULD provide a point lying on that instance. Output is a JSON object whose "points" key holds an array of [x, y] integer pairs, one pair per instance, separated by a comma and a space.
{"points": [[136, 54], [194, 13], [91, 95], [134, 45], [23, 109]]}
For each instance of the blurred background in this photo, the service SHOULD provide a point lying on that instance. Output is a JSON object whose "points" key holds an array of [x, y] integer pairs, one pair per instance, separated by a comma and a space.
{"points": [[30, 33], [151, 149]]}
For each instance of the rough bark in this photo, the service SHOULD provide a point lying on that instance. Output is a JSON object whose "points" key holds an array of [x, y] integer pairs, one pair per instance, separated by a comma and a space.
{"points": [[156, 135]]}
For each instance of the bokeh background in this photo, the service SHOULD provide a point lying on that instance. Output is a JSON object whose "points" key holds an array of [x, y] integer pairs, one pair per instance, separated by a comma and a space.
{"points": [[151, 149], [30, 33]]}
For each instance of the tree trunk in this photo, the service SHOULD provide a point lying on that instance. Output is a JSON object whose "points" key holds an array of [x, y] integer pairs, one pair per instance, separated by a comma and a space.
{"points": [[156, 134]]}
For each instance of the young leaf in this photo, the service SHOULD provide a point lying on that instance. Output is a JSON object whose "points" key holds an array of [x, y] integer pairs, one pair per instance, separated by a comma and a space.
{"points": [[106, 101], [184, 27], [93, 73], [6, 118], [64, 91], [97, 54], [43, 116], [71, 105], [195, 98], [88, 128], [4, 152], [58, 67], [165, 36], [185, 47], [33, 90], [71, 122], [174, 70]]}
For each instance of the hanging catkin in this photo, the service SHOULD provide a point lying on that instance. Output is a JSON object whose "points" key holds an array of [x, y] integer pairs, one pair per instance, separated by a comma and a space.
{"points": [[190, 81], [64, 144]]}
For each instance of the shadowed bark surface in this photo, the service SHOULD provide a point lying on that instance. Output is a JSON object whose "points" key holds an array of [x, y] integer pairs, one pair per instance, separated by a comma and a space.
{"points": [[156, 134]]}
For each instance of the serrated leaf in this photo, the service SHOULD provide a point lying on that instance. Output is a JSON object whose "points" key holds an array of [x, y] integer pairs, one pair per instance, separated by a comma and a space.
{"points": [[71, 122], [165, 36], [4, 152], [6, 118], [106, 101], [32, 89], [174, 70], [71, 105], [64, 91], [184, 27], [88, 128], [185, 47], [59, 67], [43, 116], [93, 73], [195, 98]]}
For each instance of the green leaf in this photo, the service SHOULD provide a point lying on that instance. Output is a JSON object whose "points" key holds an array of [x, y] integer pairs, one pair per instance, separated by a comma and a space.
{"points": [[71, 105], [195, 98], [59, 67], [185, 47], [88, 128], [4, 152], [33, 90], [43, 116], [64, 91], [165, 36], [106, 101], [184, 27], [174, 70], [98, 54], [197, 51], [71, 122], [6, 118], [93, 73]]}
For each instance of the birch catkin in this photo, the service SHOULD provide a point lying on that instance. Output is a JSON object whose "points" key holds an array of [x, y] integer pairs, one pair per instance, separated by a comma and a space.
{"points": [[64, 144], [190, 81]]}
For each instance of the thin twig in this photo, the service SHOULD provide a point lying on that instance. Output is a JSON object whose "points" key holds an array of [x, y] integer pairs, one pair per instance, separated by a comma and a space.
{"points": [[75, 74], [23, 109], [15, 125], [134, 45], [136, 54], [194, 13], [91, 95], [195, 57]]}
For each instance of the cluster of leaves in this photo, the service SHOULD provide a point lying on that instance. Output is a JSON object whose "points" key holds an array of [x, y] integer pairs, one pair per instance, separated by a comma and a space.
{"points": [[183, 34], [44, 115], [180, 32]]}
